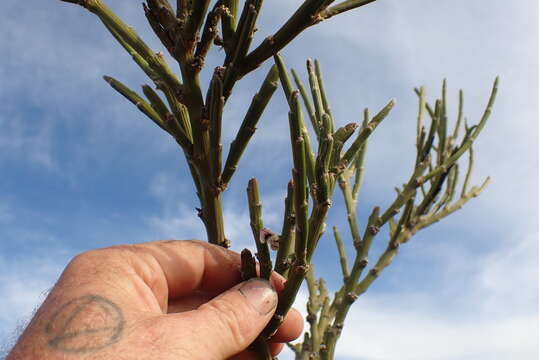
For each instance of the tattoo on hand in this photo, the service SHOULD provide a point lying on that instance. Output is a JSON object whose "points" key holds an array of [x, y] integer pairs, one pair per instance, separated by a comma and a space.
{"points": [[85, 324]]}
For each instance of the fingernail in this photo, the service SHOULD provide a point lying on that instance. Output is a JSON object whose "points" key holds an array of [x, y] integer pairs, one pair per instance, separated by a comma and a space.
{"points": [[260, 294]]}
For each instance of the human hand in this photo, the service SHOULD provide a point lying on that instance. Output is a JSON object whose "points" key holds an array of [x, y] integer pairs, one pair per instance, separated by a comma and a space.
{"points": [[160, 300]]}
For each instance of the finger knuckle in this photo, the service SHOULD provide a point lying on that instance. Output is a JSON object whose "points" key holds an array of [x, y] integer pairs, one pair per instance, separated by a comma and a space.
{"points": [[94, 262]]}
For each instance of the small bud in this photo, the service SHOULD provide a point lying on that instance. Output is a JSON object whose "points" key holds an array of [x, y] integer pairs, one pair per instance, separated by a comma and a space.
{"points": [[350, 298], [269, 237]]}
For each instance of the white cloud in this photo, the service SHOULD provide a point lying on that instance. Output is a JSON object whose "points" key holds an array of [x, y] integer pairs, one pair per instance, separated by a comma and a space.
{"points": [[410, 43], [492, 309], [377, 332], [509, 276], [421, 42], [487, 310]]}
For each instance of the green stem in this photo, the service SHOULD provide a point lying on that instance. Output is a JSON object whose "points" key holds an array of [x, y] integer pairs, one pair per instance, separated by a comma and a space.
{"points": [[316, 94], [306, 102], [344, 6], [300, 181], [339, 138], [468, 172], [137, 58], [342, 253], [313, 306], [288, 234], [162, 19], [448, 210], [360, 162], [364, 135], [300, 264], [214, 104], [466, 145], [139, 102], [212, 214], [241, 42], [308, 14], [248, 125], [460, 116], [208, 35], [257, 226], [322, 89], [194, 20], [350, 208], [229, 22], [288, 89]]}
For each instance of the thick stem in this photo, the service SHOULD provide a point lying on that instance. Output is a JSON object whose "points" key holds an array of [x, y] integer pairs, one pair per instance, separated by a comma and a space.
{"points": [[212, 215]]}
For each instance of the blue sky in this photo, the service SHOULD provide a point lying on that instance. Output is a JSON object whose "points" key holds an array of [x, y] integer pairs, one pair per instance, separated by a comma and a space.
{"points": [[82, 168]]}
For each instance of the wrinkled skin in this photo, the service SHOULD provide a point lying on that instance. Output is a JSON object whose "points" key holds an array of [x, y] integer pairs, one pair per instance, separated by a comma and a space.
{"points": [[168, 300]]}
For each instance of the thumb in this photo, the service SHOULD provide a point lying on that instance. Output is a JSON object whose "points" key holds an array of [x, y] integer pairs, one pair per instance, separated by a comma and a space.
{"points": [[229, 323]]}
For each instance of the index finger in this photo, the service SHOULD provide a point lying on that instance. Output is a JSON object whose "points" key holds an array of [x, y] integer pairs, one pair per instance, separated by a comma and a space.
{"points": [[190, 265]]}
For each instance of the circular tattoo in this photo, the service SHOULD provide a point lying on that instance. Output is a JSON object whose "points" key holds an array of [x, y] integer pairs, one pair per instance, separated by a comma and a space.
{"points": [[86, 324]]}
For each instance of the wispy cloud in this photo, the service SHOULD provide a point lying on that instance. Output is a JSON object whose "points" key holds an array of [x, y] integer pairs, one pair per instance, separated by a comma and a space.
{"points": [[57, 114]]}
